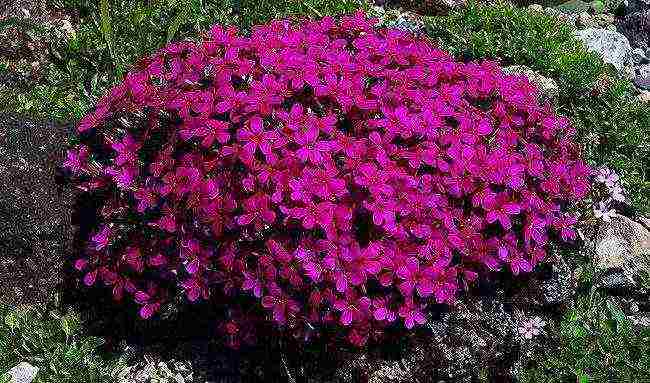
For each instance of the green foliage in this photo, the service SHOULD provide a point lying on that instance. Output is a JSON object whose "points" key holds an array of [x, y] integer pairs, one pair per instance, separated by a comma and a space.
{"points": [[114, 34], [54, 343], [516, 36], [597, 343], [613, 126], [615, 129]]}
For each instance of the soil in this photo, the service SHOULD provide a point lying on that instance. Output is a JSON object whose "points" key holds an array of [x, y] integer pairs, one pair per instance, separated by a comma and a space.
{"points": [[35, 230]]}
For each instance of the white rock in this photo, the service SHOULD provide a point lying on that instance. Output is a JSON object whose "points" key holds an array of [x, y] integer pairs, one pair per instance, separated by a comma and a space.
{"points": [[547, 87], [23, 373], [620, 244], [612, 46]]}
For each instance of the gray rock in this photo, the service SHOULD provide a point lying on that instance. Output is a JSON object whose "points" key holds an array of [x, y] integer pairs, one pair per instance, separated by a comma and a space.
{"points": [[536, 8], [621, 245], [552, 291], [632, 6], [642, 77], [573, 6], [616, 281], [23, 373], [612, 46], [642, 71], [396, 18], [636, 27], [637, 56], [477, 335], [547, 87]]}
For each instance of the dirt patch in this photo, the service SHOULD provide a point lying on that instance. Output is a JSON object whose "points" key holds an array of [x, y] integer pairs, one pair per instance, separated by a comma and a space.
{"points": [[35, 229]]}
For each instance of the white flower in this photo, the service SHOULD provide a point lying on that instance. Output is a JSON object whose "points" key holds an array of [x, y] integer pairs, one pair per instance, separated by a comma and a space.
{"points": [[601, 211], [532, 327], [616, 193]]}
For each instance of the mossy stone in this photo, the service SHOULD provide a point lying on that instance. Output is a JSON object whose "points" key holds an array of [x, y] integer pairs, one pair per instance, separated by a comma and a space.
{"points": [[574, 6], [597, 6]]}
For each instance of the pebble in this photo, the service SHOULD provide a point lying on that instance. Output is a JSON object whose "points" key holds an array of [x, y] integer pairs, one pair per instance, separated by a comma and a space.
{"points": [[23, 373], [637, 56], [644, 96]]}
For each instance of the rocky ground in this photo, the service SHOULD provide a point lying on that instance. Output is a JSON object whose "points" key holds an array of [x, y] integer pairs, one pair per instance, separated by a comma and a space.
{"points": [[481, 336]]}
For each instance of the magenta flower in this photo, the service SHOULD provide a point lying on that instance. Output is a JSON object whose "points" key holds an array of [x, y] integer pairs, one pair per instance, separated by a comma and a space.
{"points": [[338, 175], [352, 309], [102, 237], [500, 209], [282, 307], [565, 225], [374, 179], [126, 150], [320, 214], [257, 211], [412, 314], [255, 137], [416, 278], [76, 160]]}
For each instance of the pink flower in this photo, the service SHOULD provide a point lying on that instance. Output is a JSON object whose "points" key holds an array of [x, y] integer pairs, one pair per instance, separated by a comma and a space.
{"points": [[255, 137], [412, 314], [102, 237], [500, 209], [76, 160], [257, 211]]}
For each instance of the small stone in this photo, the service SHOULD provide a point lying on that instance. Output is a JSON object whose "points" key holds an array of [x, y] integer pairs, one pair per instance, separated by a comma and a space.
{"points": [[604, 20], [23, 373], [573, 6], [547, 87], [552, 11], [67, 28], [642, 83], [536, 8], [632, 6], [584, 20], [644, 96], [642, 71], [637, 56], [616, 281]]}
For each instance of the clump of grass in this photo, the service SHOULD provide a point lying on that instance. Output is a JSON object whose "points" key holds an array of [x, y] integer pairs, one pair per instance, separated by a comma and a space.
{"points": [[55, 343], [596, 343]]}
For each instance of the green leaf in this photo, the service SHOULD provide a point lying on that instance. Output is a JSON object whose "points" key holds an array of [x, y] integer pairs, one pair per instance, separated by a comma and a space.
{"points": [[107, 30], [178, 20], [5, 378], [70, 324], [617, 314], [90, 344], [12, 319], [583, 378]]}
